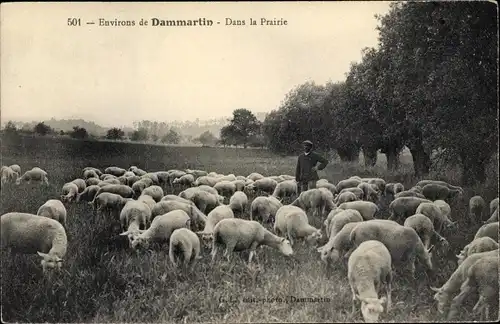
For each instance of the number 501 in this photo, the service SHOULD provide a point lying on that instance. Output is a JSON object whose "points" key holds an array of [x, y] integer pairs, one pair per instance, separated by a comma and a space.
{"points": [[74, 22]]}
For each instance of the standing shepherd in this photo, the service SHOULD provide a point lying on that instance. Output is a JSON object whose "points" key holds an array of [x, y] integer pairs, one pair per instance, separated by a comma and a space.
{"points": [[306, 173]]}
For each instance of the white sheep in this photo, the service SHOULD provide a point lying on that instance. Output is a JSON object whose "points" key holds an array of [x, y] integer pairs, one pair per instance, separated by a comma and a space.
{"points": [[216, 215], [339, 220], [225, 188], [173, 174], [137, 171], [490, 230], [435, 191], [493, 218], [264, 208], [96, 170], [323, 183], [367, 209], [292, 222], [444, 207], [311, 199], [16, 168], [134, 216], [8, 175], [329, 218], [493, 206], [416, 189], [185, 180], [176, 198], [162, 228], [206, 180], [69, 192], [266, 185], [239, 234], [482, 244], [147, 200], [356, 191], [477, 209], [255, 176], [403, 242], [196, 173], [229, 177], [369, 194], [239, 184], [339, 245], [109, 181], [28, 234], [189, 192], [139, 186], [238, 202], [106, 176], [198, 219], [434, 213], [151, 176], [393, 188], [404, 207], [348, 183], [80, 183], [92, 181], [344, 197], [409, 193], [285, 189], [328, 203], [368, 268], [457, 279], [88, 194], [54, 209], [380, 183], [425, 229], [162, 177], [156, 192], [36, 174], [186, 243], [122, 190], [116, 171], [90, 174], [109, 202], [205, 200], [423, 183]]}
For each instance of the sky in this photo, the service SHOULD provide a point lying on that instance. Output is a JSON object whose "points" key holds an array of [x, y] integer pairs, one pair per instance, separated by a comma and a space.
{"points": [[118, 75]]}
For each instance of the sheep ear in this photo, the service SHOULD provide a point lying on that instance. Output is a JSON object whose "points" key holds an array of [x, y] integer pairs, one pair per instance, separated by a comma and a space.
{"points": [[320, 249], [43, 255], [383, 300], [435, 289], [124, 233]]}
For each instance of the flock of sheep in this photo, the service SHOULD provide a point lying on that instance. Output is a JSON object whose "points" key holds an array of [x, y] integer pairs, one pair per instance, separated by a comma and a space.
{"points": [[198, 217]]}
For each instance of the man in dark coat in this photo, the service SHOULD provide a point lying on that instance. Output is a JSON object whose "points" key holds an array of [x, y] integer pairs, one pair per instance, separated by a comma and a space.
{"points": [[306, 173]]}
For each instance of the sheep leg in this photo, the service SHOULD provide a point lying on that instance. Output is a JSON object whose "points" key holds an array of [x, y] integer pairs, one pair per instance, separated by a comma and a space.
{"points": [[172, 259], [480, 308], [465, 290], [214, 252], [388, 290], [353, 308]]}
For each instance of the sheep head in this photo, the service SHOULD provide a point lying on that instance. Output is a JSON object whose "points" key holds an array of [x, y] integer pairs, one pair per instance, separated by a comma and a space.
{"points": [[371, 308], [442, 299], [50, 261], [285, 247]]}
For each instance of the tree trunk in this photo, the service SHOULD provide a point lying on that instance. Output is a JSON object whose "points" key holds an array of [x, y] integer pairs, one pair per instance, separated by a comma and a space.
{"points": [[421, 160], [370, 155], [473, 168], [392, 159]]}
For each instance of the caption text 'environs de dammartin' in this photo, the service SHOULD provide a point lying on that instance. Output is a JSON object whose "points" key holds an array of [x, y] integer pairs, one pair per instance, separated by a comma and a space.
{"points": [[193, 22]]}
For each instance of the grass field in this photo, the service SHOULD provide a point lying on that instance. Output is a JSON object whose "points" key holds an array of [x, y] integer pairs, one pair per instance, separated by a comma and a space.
{"points": [[103, 281]]}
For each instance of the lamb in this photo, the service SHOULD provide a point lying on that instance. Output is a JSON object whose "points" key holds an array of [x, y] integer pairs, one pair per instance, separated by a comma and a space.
{"points": [[54, 209], [216, 215], [346, 196], [264, 208], [434, 191], [92, 181], [493, 206], [122, 190], [134, 216], [425, 229], [16, 168], [367, 209], [28, 234], [477, 208], [137, 171], [116, 171], [266, 185], [339, 220], [311, 199], [482, 244], [206, 180], [409, 193], [368, 267], [8, 175], [444, 207], [255, 176], [80, 183], [339, 245], [35, 174], [356, 191], [401, 208], [156, 192], [423, 183], [69, 192], [293, 223], [493, 218], [185, 180], [348, 183], [285, 189], [369, 193], [109, 202], [402, 242], [457, 278], [239, 234], [89, 174], [490, 230], [163, 207], [162, 228], [186, 242], [225, 188], [434, 213], [238, 202]]}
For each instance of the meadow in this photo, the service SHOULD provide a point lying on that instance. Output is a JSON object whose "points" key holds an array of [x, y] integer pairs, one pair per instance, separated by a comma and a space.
{"points": [[103, 281]]}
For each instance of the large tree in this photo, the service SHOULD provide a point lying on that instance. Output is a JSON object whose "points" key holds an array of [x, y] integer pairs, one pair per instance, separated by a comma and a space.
{"points": [[244, 125]]}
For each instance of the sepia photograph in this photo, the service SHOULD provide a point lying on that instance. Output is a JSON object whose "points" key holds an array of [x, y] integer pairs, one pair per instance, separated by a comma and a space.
{"points": [[249, 162]]}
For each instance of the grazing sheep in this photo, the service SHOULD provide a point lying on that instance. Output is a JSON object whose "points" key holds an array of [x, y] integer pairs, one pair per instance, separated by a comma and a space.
{"points": [[328, 203], [457, 279], [329, 218], [116, 171], [16, 168], [368, 268], [109, 181], [162, 228], [311, 199], [425, 230], [402, 242], [434, 213], [292, 222], [137, 171], [409, 193], [151, 176], [186, 243], [356, 191], [398, 187], [369, 194], [339, 220], [88, 194], [344, 197], [90, 174], [266, 185], [338, 245], [401, 208], [28, 234], [490, 230], [134, 216], [423, 183], [176, 198], [139, 186], [393, 188], [493, 218], [435, 191], [216, 215], [206, 180], [367, 209], [348, 183], [8, 175], [229, 177], [106, 176], [128, 174], [69, 192], [239, 234], [255, 176], [189, 192], [327, 185], [482, 244], [185, 180], [80, 183], [198, 219], [92, 181], [444, 207], [225, 188], [239, 184], [416, 189], [477, 208], [285, 189], [173, 174], [122, 190], [156, 192], [54, 209], [109, 202], [380, 183], [96, 170], [493, 206], [205, 200], [197, 173], [148, 201], [264, 209], [162, 177], [238, 202], [36, 174]]}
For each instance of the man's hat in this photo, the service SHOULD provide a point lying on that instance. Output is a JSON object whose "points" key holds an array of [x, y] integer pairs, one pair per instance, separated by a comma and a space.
{"points": [[308, 142]]}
